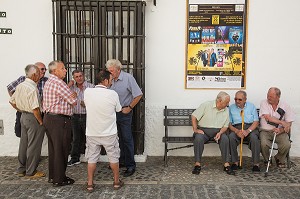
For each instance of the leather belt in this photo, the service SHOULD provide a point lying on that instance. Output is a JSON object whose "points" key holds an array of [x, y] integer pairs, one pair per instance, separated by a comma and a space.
{"points": [[59, 115]]}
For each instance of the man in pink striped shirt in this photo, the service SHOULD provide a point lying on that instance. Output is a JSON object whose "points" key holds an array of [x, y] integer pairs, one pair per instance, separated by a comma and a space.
{"points": [[58, 107]]}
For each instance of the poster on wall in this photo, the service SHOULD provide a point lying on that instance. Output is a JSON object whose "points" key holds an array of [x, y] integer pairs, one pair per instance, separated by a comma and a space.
{"points": [[216, 44]]}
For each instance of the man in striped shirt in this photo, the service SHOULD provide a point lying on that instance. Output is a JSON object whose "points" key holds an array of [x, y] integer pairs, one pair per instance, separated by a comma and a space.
{"points": [[58, 107], [25, 99], [78, 85]]}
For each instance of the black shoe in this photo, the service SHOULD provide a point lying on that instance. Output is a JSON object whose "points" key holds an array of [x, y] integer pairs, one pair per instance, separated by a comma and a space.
{"points": [[72, 162], [229, 171], [50, 181], [255, 168], [196, 170], [128, 172], [234, 167], [68, 181]]}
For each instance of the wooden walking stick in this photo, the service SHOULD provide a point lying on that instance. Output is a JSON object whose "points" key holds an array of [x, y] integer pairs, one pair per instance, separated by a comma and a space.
{"points": [[242, 139]]}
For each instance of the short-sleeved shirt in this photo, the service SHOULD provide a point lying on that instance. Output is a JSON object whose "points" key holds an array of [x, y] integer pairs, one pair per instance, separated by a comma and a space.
{"points": [[126, 87], [101, 107], [13, 85], [78, 109], [250, 113], [266, 108], [57, 97], [25, 96], [210, 117]]}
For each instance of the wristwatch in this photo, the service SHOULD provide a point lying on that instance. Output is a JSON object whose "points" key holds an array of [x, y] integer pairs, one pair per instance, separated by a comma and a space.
{"points": [[130, 107], [250, 130]]}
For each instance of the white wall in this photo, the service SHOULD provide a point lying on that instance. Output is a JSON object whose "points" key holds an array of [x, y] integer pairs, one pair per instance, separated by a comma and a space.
{"points": [[31, 41], [271, 61]]}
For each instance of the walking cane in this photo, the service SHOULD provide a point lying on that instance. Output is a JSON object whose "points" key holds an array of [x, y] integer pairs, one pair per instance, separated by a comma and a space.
{"points": [[242, 139], [281, 113]]}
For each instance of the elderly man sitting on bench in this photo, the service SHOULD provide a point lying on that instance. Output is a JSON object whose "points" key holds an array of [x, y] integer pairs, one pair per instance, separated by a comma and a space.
{"points": [[209, 121]]}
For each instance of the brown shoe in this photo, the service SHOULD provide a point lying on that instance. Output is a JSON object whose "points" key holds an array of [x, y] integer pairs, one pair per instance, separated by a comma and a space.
{"points": [[22, 174], [38, 174]]}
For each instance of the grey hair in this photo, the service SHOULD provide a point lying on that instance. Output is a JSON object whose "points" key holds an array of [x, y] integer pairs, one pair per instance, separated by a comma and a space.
{"points": [[31, 69], [113, 63], [242, 92], [222, 96], [277, 91], [53, 65]]}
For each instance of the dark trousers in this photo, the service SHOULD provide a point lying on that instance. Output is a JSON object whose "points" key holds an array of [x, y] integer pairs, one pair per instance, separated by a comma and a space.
{"points": [[18, 124], [254, 144], [59, 133], [78, 132], [201, 139], [126, 139]]}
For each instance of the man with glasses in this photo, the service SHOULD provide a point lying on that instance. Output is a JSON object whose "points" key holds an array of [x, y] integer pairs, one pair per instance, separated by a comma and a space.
{"points": [[13, 85], [244, 112]]}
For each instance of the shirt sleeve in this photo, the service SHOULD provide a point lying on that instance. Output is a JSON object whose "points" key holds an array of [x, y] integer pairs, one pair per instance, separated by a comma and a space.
{"points": [[13, 85], [65, 92], [134, 87]]}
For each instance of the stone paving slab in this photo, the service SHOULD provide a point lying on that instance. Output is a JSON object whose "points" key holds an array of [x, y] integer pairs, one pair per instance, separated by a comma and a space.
{"points": [[153, 180]]}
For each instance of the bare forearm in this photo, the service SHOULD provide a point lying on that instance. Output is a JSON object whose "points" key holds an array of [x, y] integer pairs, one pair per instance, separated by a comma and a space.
{"points": [[37, 115]]}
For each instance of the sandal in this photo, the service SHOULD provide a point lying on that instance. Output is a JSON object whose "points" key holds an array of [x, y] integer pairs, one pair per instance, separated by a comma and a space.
{"points": [[118, 185], [90, 188]]}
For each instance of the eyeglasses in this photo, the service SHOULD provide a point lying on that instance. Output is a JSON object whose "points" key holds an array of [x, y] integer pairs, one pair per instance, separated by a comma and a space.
{"points": [[43, 69], [238, 99]]}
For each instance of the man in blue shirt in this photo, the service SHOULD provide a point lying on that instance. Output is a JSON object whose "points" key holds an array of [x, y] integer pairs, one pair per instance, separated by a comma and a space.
{"points": [[130, 94], [250, 131]]}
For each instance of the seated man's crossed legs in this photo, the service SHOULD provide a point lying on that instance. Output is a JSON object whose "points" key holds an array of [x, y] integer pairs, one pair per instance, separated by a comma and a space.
{"points": [[201, 139]]}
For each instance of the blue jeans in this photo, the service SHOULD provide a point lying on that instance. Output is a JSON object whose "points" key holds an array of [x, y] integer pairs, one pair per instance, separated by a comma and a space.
{"points": [[78, 131], [126, 139]]}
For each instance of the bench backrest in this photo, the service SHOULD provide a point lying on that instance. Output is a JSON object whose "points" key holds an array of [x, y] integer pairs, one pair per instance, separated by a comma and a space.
{"points": [[179, 117]]}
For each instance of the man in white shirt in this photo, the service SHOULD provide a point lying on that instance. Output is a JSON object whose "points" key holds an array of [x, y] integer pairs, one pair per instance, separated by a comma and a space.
{"points": [[101, 128]]}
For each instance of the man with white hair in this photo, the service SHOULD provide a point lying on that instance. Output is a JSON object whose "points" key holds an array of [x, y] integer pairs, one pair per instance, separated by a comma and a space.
{"points": [[130, 94], [13, 85], [58, 107], [209, 121], [25, 99]]}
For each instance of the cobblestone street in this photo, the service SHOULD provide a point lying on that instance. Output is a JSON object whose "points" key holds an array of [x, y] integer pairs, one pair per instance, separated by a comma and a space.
{"points": [[153, 180]]}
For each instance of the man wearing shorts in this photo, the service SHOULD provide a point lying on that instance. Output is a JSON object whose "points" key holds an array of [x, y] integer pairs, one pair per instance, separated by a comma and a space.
{"points": [[101, 127]]}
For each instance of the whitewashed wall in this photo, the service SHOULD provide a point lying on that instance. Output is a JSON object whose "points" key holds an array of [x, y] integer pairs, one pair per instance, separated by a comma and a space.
{"points": [[271, 61]]}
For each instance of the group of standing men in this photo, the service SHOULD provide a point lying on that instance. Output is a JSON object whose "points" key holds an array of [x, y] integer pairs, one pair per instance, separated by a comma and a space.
{"points": [[59, 109], [228, 126]]}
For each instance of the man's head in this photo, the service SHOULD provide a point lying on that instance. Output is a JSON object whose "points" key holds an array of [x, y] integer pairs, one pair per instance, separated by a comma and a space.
{"points": [[240, 99], [58, 69], [104, 78], [222, 100], [42, 68], [273, 96], [78, 76], [32, 72], [114, 67]]}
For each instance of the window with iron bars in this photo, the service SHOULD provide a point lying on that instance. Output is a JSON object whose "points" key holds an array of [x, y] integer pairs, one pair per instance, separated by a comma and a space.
{"points": [[88, 33]]}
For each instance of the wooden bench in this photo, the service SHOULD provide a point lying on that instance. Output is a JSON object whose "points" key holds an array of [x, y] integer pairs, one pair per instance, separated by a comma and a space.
{"points": [[182, 117]]}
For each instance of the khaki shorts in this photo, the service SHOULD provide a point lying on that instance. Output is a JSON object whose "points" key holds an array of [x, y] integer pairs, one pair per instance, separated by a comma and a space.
{"points": [[93, 148]]}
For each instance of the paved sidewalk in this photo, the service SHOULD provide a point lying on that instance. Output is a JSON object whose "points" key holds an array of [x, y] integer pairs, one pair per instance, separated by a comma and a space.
{"points": [[153, 180]]}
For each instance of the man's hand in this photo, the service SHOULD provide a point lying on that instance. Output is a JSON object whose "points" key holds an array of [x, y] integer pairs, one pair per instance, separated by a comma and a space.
{"points": [[245, 133], [71, 83], [240, 134], [74, 95], [126, 110], [217, 137], [199, 131], [278, 130]]}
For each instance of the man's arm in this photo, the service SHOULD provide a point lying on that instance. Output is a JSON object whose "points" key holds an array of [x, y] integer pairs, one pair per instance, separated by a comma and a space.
{"points": [[132, 104], [37, 115], [14, 106], [195, 125], [11, 88]]}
